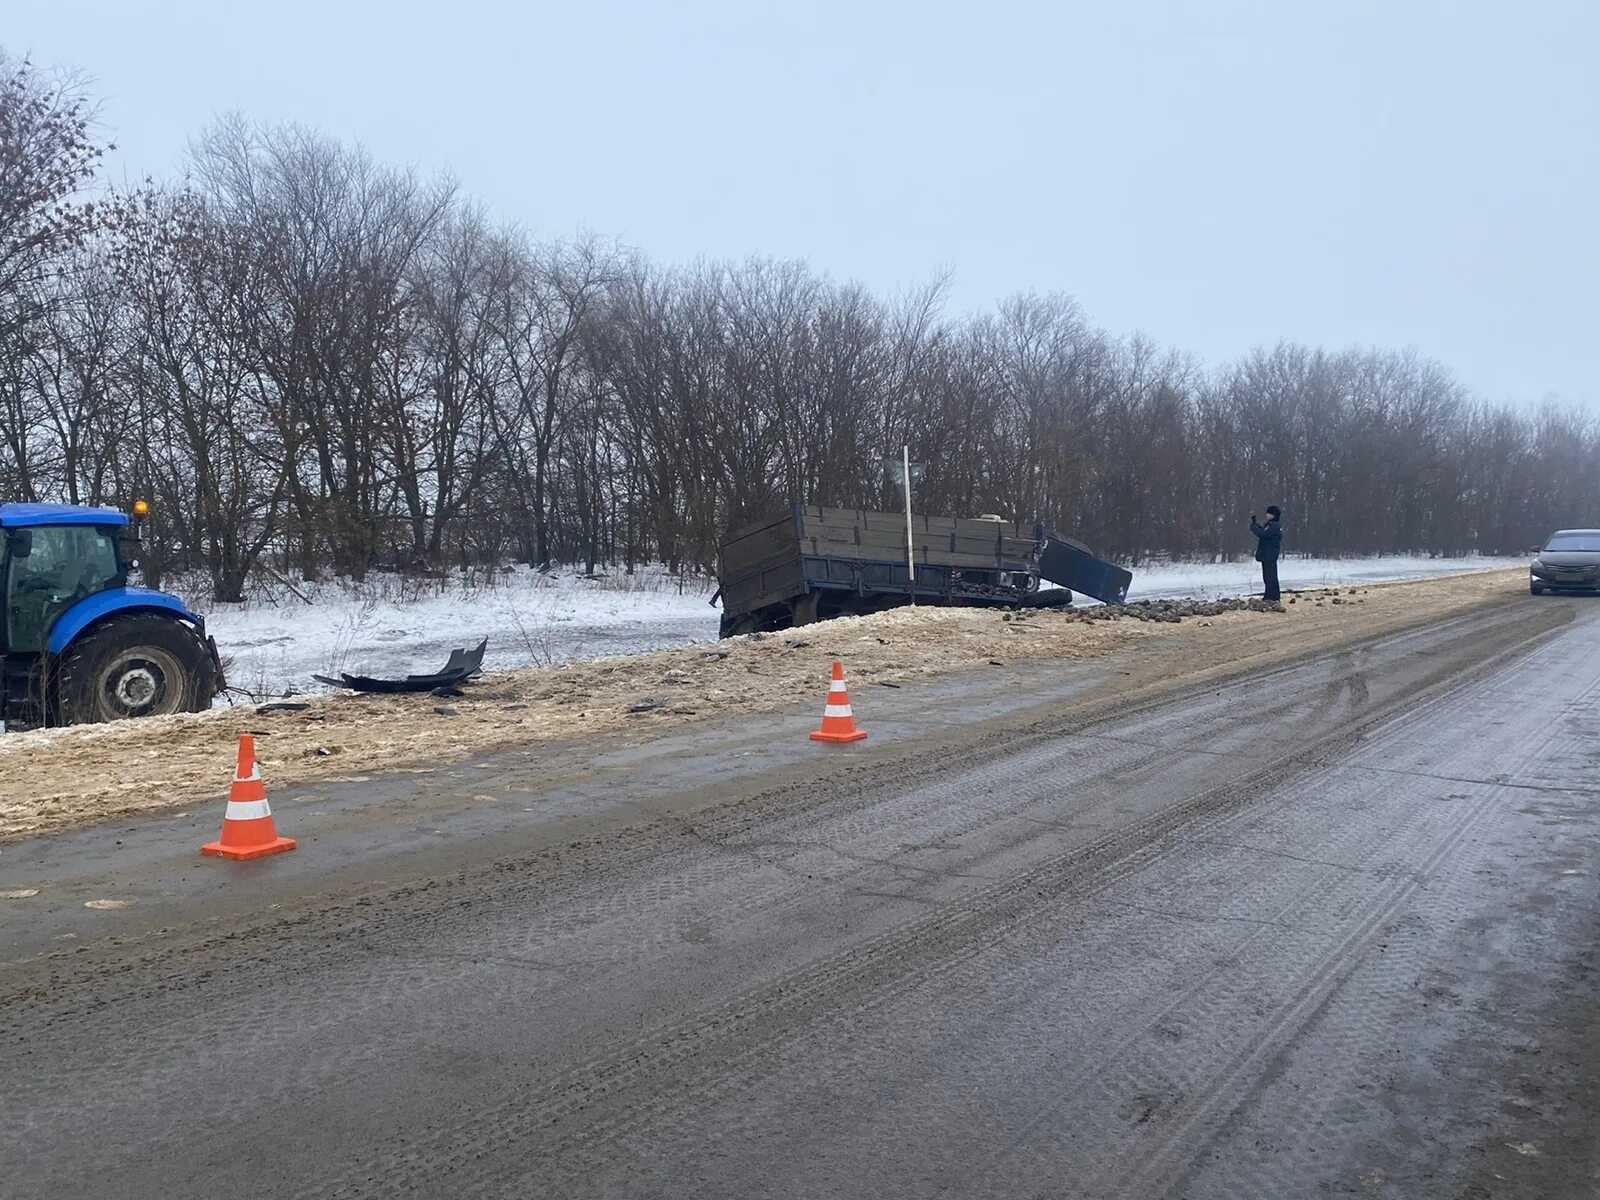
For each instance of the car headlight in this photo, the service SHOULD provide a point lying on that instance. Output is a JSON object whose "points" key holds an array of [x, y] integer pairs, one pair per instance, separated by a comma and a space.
{"points": [[1537, 563]]}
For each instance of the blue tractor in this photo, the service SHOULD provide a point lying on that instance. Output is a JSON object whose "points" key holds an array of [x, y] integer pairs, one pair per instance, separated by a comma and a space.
{"points": [[77, 643]]}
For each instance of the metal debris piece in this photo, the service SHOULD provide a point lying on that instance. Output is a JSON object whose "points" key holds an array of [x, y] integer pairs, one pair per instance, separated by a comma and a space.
{"points": [[463, 665]]}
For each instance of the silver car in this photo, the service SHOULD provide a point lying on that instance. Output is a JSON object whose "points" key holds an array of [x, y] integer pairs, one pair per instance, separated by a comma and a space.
{"points": [[1570, 562]]}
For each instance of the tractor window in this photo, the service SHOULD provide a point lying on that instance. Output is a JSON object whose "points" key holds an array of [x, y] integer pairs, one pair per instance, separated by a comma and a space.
{"points": [[65, 564]]}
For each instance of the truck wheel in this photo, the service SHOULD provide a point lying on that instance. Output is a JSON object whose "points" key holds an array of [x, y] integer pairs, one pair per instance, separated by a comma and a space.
{"points": [[737, 626], [804, 609], [1048, 598], [135, 666]]}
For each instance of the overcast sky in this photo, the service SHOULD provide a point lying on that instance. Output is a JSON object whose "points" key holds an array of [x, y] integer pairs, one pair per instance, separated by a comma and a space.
{"points": [[1218, 173]]}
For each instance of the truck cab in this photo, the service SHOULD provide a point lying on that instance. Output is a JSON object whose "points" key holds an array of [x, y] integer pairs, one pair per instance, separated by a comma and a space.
{"points": [[77, 643]]}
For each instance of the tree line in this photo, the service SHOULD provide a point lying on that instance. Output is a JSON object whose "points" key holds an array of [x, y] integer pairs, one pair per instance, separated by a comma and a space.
{"points": [[311, 362]]}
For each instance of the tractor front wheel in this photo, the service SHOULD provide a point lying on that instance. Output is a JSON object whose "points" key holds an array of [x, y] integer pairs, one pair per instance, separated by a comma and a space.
{"points": [[135, 666]]}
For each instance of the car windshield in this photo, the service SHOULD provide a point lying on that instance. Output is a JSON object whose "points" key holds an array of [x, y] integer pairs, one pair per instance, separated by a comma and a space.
{"points": [[1575, 541]]}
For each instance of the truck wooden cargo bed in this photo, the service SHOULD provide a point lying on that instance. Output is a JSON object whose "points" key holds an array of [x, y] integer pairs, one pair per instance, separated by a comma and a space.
{"points": [[815, 562]]}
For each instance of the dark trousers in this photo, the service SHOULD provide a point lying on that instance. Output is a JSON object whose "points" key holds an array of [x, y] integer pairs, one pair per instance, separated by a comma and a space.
{"points": [[1269, 579]]}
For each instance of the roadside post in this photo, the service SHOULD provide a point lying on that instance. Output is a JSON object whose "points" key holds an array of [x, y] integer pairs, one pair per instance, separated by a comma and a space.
{"points": [[905, 472]]}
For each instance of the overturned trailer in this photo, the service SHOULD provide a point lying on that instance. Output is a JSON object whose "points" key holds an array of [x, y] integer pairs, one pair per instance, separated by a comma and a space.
{"points": [[814, 563]]}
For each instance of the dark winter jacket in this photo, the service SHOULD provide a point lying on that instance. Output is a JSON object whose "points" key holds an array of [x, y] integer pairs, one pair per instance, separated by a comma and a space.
{"points": [[1269, 539]]}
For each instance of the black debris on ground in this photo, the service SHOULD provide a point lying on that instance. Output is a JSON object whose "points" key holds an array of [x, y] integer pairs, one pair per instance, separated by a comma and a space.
{"points": [[1168, 612]]}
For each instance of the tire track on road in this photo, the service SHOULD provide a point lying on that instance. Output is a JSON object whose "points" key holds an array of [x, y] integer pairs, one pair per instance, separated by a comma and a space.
{"points": [[589, 1107]]}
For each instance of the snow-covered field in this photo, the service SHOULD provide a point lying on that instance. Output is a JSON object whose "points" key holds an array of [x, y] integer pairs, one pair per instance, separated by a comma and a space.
{"points": [[390, 626]]}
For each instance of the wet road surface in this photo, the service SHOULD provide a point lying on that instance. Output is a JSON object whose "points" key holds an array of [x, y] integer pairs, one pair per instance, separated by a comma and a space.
{"points": [[1323, 930]]}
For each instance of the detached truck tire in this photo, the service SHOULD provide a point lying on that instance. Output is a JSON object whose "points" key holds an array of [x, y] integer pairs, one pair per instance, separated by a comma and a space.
{"points": [[1048, 598], [141, 665]]}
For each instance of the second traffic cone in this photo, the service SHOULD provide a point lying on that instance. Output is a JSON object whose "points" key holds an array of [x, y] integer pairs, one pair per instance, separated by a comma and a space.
{"points": [[838, 722], [247, 828]]}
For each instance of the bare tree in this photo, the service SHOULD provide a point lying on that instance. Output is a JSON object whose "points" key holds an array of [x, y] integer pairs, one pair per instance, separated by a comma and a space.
{"points": [[320, 364]]}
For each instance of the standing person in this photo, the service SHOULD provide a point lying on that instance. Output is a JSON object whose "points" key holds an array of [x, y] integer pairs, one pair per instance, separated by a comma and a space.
{"points": [[1269, 540]]}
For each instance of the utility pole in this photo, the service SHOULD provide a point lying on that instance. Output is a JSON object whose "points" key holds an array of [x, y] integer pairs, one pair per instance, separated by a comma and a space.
{"points": [[911, 556], [905, 472]]}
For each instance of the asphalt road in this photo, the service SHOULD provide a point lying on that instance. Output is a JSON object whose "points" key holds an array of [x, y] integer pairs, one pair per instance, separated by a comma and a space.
{"points": [[1325, 930]]}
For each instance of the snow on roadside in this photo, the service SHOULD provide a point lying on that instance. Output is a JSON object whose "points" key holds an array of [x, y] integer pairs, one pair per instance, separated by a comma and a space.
{"points": [[393, 626]]}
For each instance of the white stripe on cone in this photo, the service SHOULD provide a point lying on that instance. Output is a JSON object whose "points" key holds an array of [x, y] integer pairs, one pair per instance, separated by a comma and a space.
{"points": [[836, 686], [253, 777], [248, 810], [837, 710]]}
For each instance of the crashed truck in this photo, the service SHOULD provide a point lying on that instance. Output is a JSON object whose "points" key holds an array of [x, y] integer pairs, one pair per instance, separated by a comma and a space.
{"points": [[815, 563]]}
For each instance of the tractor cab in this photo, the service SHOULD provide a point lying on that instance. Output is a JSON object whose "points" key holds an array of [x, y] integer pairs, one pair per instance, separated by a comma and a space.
{"points": [[77, 643], [52, 557]]}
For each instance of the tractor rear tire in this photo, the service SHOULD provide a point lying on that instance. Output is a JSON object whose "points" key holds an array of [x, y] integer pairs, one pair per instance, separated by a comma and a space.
{"points": [[142, 665]]}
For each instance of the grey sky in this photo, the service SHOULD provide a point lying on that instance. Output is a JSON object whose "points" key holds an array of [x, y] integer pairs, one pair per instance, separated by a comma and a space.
{"points": [[1219, 174]]}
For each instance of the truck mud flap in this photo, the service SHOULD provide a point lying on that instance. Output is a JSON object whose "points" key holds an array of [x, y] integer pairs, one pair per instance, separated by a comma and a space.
{"points": [[1072, 566]]}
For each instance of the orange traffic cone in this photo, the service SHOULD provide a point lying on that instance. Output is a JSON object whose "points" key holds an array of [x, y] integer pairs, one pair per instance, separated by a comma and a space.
{"points": [[247, 828], [838, 722]]}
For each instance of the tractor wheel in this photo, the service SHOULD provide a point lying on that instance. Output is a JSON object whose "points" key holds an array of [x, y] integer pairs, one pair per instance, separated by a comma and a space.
{"points": [[135, 666]]}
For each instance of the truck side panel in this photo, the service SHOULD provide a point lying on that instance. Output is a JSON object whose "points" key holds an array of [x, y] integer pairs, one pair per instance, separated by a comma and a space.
{"points": [[772, 566], [1069, 564], [761, 565]]}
